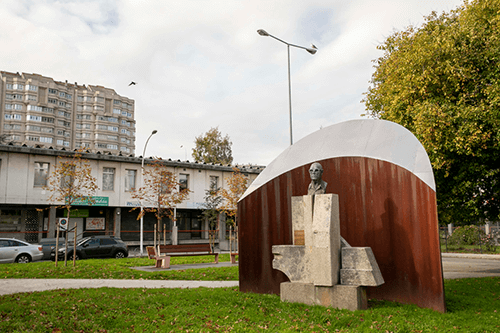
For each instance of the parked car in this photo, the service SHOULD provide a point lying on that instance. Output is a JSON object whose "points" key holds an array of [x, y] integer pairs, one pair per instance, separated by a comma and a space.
{"points": [[95, 247], [15, 250], [49, 244]]}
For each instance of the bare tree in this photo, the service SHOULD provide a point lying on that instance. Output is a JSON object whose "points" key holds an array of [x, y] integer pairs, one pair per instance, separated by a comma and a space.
{"points": [[160, 192], [71, 181]]}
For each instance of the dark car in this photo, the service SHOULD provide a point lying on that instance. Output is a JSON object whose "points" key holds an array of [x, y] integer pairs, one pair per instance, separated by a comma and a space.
{"points": [[95, 247]]}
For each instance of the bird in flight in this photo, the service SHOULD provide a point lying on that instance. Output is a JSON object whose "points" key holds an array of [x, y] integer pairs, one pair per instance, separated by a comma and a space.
{"points": [[132, 84]]}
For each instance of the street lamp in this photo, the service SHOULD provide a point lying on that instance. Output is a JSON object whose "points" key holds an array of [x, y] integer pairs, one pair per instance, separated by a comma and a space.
{"points": [[142, 183], [311, 50]]}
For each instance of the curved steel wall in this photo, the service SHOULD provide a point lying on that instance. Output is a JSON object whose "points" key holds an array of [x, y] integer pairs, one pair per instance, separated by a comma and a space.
{"points": [[382, 205]]}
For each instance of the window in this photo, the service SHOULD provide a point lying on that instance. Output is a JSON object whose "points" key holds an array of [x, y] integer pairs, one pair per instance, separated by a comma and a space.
{"points": [[34, 118], [18, 107], [52, 101], [68, 96], [19, 86], [31, 98], [47, 120], [214, 183], [115, 147], [32, 88], [99, 99], [62, 94], [98, 108], [17, 116], [61, 103], [184, 182], [45, 139], [34, 108], [8, 116], [10, 86], [112, 137], [52, 91], [108, 179], [83, 116], [33, 128], [117, 111], [113, 119], [130, 180], [101, 145], [113, 128], [116, 102], [33, 138], [48, 110], [47, 130]]}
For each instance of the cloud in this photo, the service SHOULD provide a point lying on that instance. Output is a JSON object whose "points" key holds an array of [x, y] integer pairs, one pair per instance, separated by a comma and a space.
{"points": [[201, 64]]}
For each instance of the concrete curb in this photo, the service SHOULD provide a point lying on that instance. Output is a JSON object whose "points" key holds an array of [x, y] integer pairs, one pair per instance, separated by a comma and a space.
{"points": [[471, 256]]}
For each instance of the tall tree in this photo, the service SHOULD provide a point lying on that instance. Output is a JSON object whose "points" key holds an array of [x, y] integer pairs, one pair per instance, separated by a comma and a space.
{"points": [[160, 192], [237, 185], [442, 82], [213, 148], [70, 181]]}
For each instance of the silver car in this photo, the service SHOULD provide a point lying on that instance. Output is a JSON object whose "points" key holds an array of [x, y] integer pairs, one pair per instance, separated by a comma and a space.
{"points": [[15, 250]]}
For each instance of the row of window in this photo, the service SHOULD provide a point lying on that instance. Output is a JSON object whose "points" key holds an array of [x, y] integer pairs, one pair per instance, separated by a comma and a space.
{"points": [[18, 86], [123, 104], [20, 97], [123, 113], [60, 93], [13, 106], [13, 117], [108, 178]]}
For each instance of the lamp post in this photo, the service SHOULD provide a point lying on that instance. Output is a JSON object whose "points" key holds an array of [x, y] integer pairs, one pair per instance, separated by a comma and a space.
{"points": [[311, 50], [142, 183]]}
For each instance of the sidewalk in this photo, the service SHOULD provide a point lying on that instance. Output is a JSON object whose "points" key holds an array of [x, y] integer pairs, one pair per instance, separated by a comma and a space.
{"points": [[470, 255]]}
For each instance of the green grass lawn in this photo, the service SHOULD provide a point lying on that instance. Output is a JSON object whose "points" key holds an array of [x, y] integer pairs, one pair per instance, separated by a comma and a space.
{"points": [[120, 269], [473, 306]]}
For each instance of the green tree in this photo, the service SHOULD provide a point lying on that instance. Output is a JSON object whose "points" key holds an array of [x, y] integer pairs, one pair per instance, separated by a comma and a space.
{"points": [[442, 82], [71, 181], [213, 148]]}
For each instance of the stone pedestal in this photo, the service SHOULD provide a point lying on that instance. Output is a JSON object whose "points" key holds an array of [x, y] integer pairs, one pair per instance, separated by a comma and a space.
{"points": [[338, 296], [313, 263]]}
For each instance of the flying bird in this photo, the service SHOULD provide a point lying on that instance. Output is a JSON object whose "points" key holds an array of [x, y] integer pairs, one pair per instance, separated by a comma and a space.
{"points": [[132, 84], [314, 46]]}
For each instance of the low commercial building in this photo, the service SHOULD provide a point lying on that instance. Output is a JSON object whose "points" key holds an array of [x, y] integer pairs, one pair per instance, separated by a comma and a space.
{"points": [[25, 212]]}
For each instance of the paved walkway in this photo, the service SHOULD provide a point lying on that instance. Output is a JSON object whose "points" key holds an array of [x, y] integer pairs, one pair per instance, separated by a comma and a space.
{"points": [[455, 265]]}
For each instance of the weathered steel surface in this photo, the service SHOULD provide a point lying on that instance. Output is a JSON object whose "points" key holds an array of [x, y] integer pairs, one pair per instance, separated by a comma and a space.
{"points": [[382, 205]]}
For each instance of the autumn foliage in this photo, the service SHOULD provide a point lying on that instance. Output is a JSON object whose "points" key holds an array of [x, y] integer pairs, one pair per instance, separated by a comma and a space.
{"points": [[70, 181], [236, 186]]}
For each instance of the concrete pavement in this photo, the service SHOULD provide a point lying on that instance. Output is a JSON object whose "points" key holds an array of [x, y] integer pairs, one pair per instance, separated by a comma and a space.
{"points": [[455, 265]]}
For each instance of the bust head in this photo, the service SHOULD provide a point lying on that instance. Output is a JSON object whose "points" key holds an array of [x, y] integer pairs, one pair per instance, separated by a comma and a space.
{"points": [[316, 172]]}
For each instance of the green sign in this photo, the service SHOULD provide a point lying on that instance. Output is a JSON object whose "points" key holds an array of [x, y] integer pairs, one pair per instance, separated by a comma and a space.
{"points": [[98, 201], [77, 213]]}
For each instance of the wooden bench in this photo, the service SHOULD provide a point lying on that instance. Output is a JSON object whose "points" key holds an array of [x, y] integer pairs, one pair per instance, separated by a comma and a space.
{"points": [[164, 252]]}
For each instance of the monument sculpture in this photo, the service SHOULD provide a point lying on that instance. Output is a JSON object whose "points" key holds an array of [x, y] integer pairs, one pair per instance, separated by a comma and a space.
{"points": [[313, 263], [318, 185]]}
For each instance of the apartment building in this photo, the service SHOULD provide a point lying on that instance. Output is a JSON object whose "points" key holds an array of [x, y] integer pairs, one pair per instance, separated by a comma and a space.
{"points": [[25, 212], [37, 110]]}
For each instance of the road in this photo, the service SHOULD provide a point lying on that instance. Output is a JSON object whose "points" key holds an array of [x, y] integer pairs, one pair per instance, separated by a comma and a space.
{"points": [[465, 267]]}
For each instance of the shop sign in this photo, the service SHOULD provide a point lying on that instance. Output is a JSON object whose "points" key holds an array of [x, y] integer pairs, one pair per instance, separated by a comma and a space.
{"points": [[98, 201], [95, 223], [77, 213]]}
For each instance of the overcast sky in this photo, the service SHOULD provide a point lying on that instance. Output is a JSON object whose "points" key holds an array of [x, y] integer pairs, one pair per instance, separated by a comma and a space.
{"points": [[201, 64]]}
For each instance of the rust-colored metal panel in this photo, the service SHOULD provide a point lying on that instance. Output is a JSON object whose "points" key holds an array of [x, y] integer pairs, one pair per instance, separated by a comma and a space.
{"points": [[382, 205]]}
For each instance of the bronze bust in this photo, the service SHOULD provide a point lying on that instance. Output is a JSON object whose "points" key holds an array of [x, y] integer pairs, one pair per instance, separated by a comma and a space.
{"points": [[317, 185]]}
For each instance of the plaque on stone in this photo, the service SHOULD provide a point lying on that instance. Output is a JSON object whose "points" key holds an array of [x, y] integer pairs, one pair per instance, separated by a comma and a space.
{"points": [[298, 237]]}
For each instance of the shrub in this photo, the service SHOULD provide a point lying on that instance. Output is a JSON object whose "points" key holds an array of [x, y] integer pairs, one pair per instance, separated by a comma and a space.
{"points": [[472, 235]]}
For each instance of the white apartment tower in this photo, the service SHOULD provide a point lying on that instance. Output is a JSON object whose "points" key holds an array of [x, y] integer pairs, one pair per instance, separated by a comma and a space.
{"points": [[38, 111]]}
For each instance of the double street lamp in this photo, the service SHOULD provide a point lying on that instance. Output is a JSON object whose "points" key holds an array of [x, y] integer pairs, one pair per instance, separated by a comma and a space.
{"points": [[142, 183], [311, 50]]}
